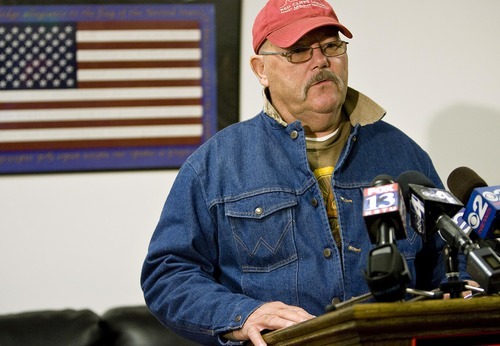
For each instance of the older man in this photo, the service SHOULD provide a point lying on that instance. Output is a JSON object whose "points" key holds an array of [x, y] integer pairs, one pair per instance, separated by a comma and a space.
{"points": [[263, 227]]}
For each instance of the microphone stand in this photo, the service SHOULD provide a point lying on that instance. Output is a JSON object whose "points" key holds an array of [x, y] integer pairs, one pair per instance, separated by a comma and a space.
{"points": [[436, 294], [390, 278], [387, 274], [454, 286]]}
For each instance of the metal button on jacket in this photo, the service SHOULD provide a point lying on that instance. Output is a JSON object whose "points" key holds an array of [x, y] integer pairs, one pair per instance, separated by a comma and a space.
{"points": [[294, 134], [335, 301], [327, 253]]}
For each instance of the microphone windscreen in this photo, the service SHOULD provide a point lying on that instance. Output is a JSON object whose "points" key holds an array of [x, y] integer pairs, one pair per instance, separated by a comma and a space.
{"points": [[382, 179], [462, 181], [412, 177]]}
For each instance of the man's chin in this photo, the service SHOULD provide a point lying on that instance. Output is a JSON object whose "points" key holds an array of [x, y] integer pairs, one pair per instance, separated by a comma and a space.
{"points": [[329, 98]]}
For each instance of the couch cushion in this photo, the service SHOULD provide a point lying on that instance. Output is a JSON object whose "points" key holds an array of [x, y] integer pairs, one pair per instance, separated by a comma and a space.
{"points": [[136, 326], [55, 328]]}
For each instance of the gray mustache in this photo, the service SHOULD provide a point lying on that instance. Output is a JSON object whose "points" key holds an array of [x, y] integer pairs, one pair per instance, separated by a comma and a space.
{"points": [[323, 76]]}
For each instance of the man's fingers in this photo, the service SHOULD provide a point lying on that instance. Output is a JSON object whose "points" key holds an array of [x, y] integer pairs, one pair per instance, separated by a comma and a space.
{"points": [[291, 313], [300, 315], [255, 337], [270, 316], [273, 322]]}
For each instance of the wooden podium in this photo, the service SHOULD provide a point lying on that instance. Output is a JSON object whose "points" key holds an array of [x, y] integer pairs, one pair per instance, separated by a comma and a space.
{"points": [[431, 322]]}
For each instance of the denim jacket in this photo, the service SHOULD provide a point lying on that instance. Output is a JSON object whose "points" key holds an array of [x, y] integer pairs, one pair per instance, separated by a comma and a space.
{"points": [[243, 224]]}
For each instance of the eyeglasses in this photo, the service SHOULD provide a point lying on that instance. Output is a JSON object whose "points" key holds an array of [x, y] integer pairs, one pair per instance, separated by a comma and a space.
{"points": [[302, 54]]}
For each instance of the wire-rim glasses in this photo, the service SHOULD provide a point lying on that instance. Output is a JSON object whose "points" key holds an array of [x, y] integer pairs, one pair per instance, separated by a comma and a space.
{"points": [[302, 54]]}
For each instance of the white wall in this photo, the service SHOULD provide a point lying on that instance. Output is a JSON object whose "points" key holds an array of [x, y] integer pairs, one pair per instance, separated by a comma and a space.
{"points": [[78, 240]]}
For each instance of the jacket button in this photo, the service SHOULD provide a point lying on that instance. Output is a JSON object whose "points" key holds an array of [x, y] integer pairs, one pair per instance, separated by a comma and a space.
{"points": [[259, 211], [314, 202], [237, 318], [335, 301], [327, 253], [294, 134]]}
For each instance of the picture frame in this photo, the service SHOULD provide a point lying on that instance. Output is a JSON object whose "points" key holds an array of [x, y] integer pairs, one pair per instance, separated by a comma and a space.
{"points": [[142, 85]]}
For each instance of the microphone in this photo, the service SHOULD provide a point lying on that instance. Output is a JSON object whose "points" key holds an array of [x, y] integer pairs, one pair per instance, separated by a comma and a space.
{"points": [[462, 181], [493, 243], [387, 274], [482, 211], [383, 206], [458, 219], [430, 209]]}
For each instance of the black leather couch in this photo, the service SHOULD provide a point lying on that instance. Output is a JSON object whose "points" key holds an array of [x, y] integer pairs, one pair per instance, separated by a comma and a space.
{"points": [[121, 326]]}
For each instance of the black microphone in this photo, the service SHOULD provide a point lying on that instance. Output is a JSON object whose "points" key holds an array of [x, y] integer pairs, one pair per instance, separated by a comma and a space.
{"points": [[430, 209], [384, 208], [482, 211], [384, 213], [462, 181]]}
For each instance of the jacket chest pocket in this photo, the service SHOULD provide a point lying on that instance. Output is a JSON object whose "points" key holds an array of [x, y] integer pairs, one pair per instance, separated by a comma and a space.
{"points": [[263, 230]]}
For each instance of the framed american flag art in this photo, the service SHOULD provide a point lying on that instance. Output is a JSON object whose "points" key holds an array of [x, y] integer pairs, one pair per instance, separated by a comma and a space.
{"points": [[97, 86]]}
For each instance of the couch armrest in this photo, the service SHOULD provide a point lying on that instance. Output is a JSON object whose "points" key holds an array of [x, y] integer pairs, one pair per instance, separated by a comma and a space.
{"points": [[135, 325], [55, 328]]}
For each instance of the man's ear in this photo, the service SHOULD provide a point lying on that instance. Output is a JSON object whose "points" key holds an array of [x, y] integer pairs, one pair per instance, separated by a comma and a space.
{"points": [[258, 67]]}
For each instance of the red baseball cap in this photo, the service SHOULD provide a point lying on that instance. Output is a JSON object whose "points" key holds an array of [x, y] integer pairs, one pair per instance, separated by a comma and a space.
{"points": [[284, 22]]}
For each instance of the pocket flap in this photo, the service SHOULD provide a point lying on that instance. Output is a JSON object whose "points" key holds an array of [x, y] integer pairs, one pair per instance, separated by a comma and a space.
{"points": [[260, 206]]}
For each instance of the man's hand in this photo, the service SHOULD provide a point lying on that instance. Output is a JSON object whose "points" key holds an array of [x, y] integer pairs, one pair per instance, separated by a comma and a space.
{"points": [[465, 294], [270, 316], [468, 294]]}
